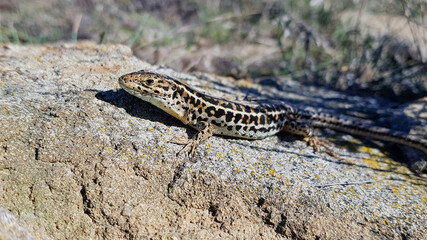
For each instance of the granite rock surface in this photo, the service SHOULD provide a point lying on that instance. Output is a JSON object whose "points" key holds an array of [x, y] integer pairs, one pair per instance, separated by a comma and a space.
{"points": [[82, 159]]}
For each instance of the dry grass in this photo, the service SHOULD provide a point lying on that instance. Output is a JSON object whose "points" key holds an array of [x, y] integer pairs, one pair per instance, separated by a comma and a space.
{"points": [[374, 47]]}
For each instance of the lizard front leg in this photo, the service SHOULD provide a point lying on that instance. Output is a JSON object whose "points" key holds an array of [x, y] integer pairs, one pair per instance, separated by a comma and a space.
{"points": [[306, 131], [192, 144]]}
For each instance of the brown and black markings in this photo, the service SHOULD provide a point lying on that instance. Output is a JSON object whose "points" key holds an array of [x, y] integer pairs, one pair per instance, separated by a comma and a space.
{"points": [[211, 115]]}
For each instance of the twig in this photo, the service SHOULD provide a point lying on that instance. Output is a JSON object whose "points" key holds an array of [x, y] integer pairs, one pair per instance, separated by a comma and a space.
{"points": [[356, 35], [344, 184], [76, 25], [416, 42]]}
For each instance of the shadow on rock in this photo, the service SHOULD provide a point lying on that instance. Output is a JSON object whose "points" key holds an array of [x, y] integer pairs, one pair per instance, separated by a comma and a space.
{"points": [[136, 107]]}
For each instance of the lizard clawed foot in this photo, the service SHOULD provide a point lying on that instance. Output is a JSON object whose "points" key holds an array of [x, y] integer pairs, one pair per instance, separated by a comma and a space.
{"points": [[189, 144], [192, 144], [315, 142]]}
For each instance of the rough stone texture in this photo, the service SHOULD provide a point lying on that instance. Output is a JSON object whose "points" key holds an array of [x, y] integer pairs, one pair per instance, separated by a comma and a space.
{"points": [[10, 229], [81, 159]]}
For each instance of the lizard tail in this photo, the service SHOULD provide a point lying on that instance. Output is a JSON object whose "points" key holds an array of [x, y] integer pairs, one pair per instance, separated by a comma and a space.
{"points": [[322, 120]]}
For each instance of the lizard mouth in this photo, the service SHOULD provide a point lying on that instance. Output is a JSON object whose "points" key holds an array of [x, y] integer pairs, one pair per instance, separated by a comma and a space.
{"points": [[141, 93], [134, 88]]}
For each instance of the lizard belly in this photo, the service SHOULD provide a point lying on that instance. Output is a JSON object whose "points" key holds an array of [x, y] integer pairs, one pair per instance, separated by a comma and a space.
{"points": [[247, 134]]}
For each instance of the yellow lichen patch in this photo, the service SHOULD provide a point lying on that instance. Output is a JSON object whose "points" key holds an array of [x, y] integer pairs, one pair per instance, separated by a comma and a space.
{"points": [[108, 150], [272, 172], [219, 156], [395, 191], [371, 151], [209, 147], [402, 170], [366, 149], [353, 140], [130, 123], [150, 129], [375, 164], [38, 59], [102, 129], [234, 150]]}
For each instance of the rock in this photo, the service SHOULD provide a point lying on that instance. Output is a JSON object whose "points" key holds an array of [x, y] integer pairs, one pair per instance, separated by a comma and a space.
{"points": [[10, 229], [81, 159]]}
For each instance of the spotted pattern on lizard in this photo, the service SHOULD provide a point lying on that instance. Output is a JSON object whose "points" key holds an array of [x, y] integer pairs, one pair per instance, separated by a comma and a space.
{"points": [[211, 115]]}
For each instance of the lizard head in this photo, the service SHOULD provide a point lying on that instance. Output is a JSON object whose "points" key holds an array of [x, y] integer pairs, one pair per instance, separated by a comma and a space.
{"points": [[147, 85]]}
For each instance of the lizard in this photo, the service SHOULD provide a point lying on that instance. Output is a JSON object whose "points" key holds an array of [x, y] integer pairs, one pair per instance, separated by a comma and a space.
{"points": [[211, 115]]}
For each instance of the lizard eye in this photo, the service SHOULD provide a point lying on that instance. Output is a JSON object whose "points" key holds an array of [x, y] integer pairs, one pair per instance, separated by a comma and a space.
{"points": [[150, 82], [174, 87]]}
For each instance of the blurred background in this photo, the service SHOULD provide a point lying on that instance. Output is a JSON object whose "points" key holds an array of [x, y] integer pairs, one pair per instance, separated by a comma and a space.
{"points": [[365, 47]]}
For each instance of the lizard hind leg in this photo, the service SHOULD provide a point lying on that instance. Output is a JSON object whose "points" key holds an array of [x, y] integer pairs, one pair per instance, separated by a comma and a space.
{"points": [[315, 142], [307, 131]]}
